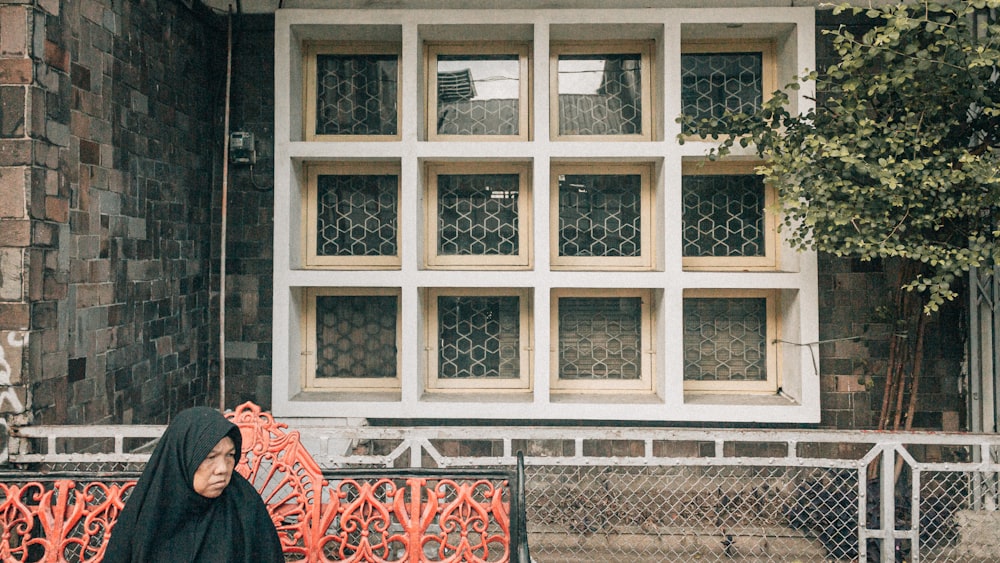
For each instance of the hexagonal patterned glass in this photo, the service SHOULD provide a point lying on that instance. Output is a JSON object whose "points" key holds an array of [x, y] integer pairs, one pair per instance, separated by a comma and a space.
{"points": [[356, 94], [356, 215], [356, 336], [478, 94], [477, 214], [714, 83], [600, 215], [725, 339], [479, 337], [600, 338], [600, 94], [723, 215]]}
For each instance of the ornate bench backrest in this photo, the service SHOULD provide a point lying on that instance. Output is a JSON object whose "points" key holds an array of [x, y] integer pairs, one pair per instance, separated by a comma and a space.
{"points": [[347, 515], [374, 514]]}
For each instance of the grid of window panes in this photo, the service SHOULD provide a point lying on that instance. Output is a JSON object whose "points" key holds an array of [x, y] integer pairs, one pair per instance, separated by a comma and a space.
{"points": [[725, 339], [601, 219], [356, 336], [723, 215], [478, 337], [356, 215]]}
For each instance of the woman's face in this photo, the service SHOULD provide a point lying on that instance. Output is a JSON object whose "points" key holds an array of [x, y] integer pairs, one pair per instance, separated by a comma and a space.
{"points": [[215, 472]]}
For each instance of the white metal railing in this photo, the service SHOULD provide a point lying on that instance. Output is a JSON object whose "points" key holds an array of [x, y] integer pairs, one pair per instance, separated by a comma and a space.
{"points": [[654, 494], [53, 444]]}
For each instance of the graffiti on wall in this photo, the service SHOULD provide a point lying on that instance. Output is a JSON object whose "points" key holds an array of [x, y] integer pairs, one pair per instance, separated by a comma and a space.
{"points": [[9, 400]]}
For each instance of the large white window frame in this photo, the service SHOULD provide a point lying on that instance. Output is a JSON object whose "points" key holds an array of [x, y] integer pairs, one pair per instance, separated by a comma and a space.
{"points": [[792, 281]]}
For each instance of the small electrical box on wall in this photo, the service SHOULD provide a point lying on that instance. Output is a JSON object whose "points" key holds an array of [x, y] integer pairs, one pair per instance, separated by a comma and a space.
{"points": [[241, 148]]}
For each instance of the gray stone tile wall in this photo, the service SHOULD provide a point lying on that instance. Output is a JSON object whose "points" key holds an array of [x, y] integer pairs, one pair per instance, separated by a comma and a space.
{"points": [[110, 142]]}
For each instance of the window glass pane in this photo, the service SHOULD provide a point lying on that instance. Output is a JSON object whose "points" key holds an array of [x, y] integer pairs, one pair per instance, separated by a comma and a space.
{"points": [[713, 83], [355, 336], [600, 338], [600, 215], [356, 94], [600, 94], [724, 215], [477, 214], [479, 337], [725, 339], [356, 215], [478, 94]]}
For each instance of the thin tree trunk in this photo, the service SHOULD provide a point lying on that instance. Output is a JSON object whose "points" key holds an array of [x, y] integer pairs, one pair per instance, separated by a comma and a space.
{"points": [[904, 359], [918, 360], [890, 381], [896, 360], [918, 357], [892, 367]]}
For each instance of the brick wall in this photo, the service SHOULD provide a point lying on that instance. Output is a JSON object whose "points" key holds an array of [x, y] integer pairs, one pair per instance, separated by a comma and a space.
{"points": [[853, 298], [16, 182], [108, 157]]}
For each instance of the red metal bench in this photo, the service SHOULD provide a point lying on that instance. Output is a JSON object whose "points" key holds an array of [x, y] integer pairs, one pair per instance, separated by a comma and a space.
{"points": [[344, 515]]}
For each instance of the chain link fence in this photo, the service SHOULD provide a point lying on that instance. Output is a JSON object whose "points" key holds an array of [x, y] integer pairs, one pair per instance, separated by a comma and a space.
{"points": [[756, 513], [712, 513]]}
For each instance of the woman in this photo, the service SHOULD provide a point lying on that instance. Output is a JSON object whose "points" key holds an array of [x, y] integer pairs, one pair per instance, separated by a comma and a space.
{"points": [[188, 506]]}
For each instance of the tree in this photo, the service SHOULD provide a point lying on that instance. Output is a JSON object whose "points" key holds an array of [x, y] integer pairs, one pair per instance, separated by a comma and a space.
{"points": [[898, 159]]}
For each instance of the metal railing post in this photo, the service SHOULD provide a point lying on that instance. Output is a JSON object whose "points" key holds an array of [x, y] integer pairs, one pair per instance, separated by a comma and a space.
{"points": [[975, 398], [887, 503]]}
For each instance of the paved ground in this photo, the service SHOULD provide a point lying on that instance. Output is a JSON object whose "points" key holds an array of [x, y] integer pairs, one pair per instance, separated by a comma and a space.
{"points": [[641, 548]]}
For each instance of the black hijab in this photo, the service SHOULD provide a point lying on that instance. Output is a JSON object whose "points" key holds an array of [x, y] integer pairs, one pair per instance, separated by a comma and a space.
{"points": [[165, 520]]}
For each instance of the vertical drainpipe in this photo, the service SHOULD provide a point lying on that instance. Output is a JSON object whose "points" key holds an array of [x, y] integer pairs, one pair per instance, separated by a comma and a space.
{"points": [[222, 236]]}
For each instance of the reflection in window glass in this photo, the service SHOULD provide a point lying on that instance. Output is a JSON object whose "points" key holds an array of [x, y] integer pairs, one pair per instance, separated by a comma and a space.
{"points": [[356, 336], [479, 337], [714, 83], [725, 339], [477, 214], [600, 94], [356, 94], [478, 94], [600, 215]]}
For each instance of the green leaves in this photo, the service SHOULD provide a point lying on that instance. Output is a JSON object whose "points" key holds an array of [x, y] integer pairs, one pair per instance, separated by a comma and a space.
{"points": [[900, 156]]}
